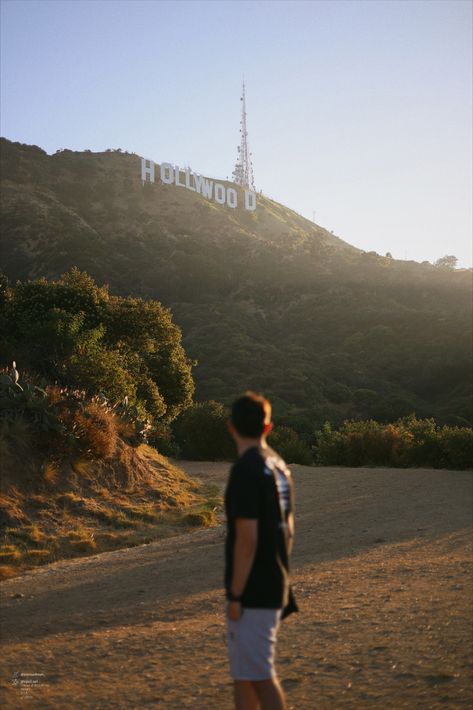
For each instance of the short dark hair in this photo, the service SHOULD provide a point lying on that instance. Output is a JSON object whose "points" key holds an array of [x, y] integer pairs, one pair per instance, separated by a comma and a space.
{"points": [[250, 413]]}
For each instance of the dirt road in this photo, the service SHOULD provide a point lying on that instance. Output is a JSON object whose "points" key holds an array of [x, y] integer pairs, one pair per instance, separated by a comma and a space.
{"points": [[382, 573]]}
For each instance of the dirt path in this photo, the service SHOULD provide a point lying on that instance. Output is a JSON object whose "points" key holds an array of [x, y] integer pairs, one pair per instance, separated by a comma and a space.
{"points": [[382, 572]]}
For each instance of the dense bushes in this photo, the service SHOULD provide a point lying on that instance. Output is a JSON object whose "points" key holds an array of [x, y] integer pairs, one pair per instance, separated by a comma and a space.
{"points": [[73, 333], [407, 442], [63, 423], [289, 445], [201, 432]]}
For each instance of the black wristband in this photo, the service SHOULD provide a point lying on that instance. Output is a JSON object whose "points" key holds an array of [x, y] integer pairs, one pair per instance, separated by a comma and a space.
{"points": [[233, 597]]}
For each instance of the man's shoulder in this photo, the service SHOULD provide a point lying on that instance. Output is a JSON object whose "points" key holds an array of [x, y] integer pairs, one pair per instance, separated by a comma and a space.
{"points": [[260, 460], [249, 462], [272, 461]]}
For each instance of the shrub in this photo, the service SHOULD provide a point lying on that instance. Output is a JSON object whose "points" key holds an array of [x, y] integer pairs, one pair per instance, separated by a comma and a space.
{"points": [[424, 443], [201, 432], [63, 422], [457, 444], [358, 444], [96, 430], [161, 438], [99, 370], [74, 333], [290, 446], [407, 442], [28, 402]]}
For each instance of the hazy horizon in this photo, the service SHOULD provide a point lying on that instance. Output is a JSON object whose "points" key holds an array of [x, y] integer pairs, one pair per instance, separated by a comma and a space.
{"points": [[359, 112]]}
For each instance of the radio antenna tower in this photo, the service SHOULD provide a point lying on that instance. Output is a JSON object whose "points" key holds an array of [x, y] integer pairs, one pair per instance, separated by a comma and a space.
{"points": [[243, 173]]}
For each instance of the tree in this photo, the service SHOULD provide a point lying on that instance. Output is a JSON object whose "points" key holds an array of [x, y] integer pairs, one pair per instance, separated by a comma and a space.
{"points": [[446, 262], [145, 327], [73, 332]]}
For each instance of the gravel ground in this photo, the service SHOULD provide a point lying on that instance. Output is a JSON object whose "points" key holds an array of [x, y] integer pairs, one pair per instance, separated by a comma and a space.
{"points": [[382, 574]]}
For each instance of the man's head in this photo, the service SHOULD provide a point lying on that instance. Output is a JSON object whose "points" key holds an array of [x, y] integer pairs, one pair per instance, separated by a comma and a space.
{"points": [[250, 417]]}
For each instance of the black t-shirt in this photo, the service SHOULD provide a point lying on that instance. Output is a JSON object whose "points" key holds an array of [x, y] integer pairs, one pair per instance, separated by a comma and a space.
{"points": [[259, 485]]}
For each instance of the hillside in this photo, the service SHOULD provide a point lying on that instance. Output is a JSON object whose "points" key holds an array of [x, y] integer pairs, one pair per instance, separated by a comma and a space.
{"points": [[265, 299], [53, 510]]}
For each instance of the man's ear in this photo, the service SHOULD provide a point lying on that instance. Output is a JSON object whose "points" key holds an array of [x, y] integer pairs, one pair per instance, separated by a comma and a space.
{"points": [[230, 427], [267, 428]]}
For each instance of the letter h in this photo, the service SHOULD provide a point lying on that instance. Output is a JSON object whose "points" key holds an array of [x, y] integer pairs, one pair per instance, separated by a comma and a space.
{"points": [[147, 171]]}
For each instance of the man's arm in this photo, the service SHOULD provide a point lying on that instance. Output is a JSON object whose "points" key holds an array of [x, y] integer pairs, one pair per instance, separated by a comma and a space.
{"points": [[246, 540], [290, 532]]}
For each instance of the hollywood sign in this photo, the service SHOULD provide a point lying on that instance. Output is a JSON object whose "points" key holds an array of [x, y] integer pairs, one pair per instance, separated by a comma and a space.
{"points": [[172, 174]]}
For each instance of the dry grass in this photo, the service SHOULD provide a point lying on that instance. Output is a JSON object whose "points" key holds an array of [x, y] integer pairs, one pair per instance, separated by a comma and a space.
{"points": [[94, 506], [7, 572], [9, 553], [50, 472], [82, 467], [140, 512], [37, 556], [31, 534], [202, 518], [11, 508], [98, 430], [86, 544]]}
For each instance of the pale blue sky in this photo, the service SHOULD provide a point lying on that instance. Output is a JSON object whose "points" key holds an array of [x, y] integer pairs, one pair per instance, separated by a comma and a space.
{"points": [[359, 111]]}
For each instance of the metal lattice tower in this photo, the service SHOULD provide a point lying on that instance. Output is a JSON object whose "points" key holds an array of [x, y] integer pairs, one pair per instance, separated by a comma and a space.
{"points": [[243, 173]]}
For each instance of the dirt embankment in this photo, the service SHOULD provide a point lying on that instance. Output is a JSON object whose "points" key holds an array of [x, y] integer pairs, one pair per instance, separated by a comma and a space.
{"points": [[382, 573], [50, 512]]}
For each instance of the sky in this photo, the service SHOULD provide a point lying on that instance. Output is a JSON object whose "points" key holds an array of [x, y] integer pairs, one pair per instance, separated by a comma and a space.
{"points": [[359, 112]]}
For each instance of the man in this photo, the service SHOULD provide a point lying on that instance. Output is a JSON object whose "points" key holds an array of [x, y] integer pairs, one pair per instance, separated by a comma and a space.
{"points": [[259, 505]]}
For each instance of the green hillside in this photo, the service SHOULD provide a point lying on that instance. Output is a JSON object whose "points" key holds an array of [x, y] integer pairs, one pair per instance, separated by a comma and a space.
{"points": [[265, 299]]}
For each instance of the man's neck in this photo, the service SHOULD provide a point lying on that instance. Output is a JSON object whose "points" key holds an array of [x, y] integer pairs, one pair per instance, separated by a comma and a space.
{"points": [[243, 444]]}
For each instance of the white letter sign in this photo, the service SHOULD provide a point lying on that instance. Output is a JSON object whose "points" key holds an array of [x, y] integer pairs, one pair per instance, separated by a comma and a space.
{"points": [[171, 174], [188, 180], [167, 173], [198, 182], [250, 200], [147, 171], [207, 188], [232, 199], [219, 192]]}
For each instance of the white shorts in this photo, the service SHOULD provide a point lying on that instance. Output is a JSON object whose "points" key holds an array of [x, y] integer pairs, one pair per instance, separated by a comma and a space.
{"points": [[252, 644]]}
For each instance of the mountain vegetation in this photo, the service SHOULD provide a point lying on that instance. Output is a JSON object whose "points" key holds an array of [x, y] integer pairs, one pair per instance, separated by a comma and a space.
{"points": [[265, 300], [75, 334]]}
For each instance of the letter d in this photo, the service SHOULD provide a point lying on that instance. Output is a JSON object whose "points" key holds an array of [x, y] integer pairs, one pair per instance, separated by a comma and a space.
{"points": [[250, 200]]}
